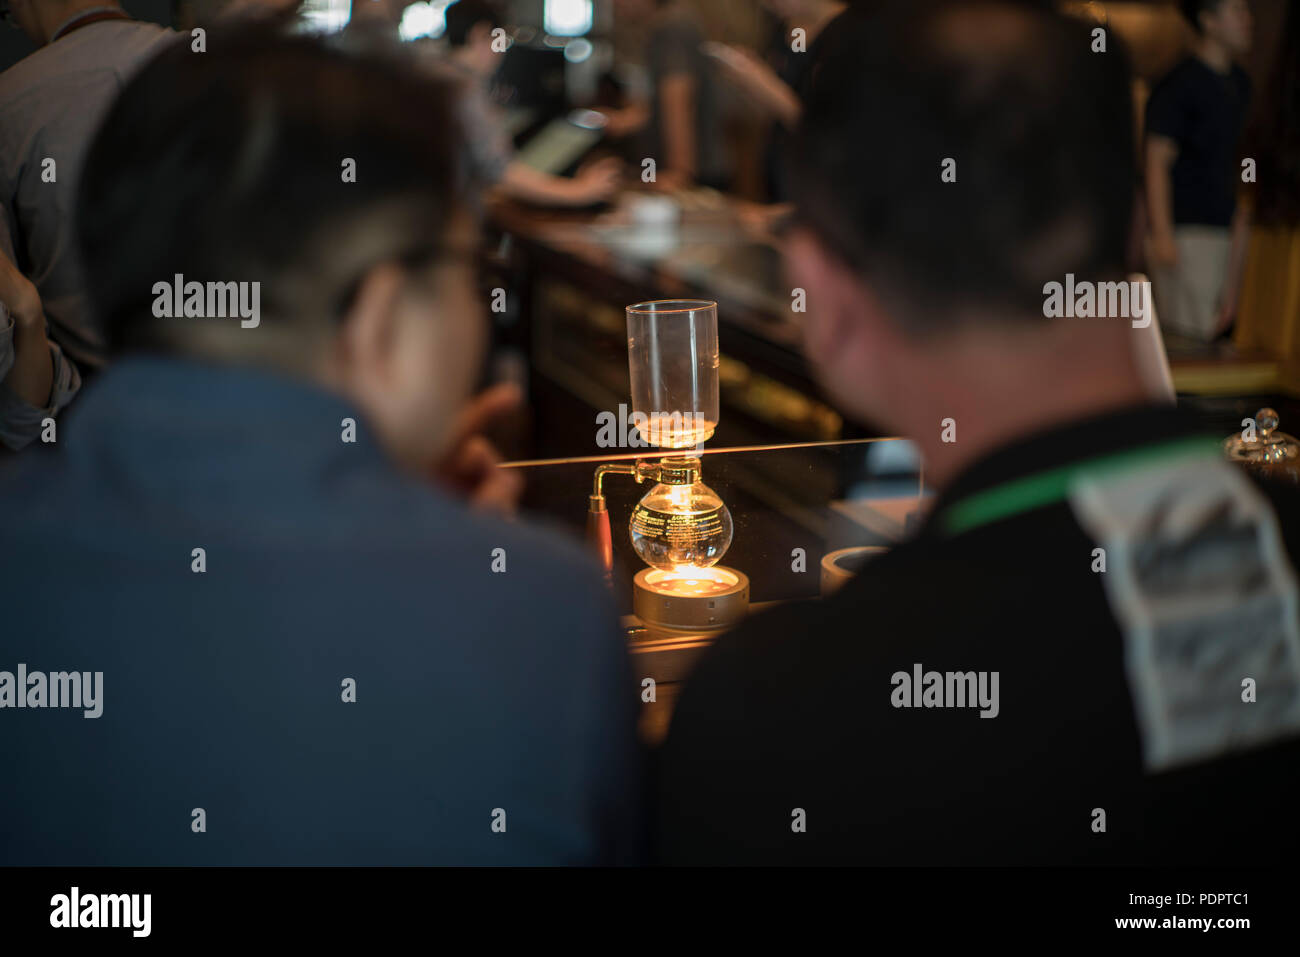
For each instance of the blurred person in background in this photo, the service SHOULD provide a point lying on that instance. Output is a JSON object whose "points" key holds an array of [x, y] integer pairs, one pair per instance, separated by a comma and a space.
{"points": [[1269, 319], [51, 102], [381, 15], [678, 122], [335, 658], [776, 81], [470, 26], [1194, 121], [1060, 667], [188, 14]]}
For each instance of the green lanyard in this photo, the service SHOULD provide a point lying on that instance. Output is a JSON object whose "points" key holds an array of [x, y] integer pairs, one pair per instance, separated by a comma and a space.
{"points": [[1053, 485]]}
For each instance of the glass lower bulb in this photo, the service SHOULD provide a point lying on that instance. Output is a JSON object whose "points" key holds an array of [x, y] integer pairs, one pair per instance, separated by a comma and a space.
{"points": [[676, 526]]}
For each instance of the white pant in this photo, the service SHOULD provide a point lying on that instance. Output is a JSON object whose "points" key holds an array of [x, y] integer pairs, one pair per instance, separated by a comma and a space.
{"points": [[1189, 294]]}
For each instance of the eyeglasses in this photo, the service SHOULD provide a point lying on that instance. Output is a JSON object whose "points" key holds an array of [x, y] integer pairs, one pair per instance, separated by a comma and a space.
{"points": [[417, 259]]}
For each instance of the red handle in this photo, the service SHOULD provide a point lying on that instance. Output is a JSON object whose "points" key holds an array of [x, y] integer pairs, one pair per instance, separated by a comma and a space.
{"points": [[599, 536]]}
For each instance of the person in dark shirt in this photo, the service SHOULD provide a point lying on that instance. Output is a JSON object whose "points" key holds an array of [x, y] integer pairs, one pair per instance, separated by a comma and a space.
{"points": [[240, 620], [776, 82], [1194, 121], [679, 123], [1089, 652], [472, 56]]}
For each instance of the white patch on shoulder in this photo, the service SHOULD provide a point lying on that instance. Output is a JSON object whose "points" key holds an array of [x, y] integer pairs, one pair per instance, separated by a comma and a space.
{"points": [[1200, 584]]}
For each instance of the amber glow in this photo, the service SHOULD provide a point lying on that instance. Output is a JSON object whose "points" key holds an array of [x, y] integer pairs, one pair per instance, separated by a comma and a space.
{"points": [[680, 496], [690, 581]]}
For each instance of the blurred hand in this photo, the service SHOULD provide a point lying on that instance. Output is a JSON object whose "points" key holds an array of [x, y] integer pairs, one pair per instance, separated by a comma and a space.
{"points": [[671, 180], [19, 296], [470, 466], [621, 122], [1163, 251], [760, 220], [598, 181]]}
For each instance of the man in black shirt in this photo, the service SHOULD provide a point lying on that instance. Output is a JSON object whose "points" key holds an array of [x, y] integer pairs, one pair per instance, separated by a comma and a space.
{"points": [[1194, 120], [1090, 651]]}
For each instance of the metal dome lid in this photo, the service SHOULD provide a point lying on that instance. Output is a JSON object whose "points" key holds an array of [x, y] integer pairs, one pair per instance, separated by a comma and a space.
{"points": [[1267, 446]]}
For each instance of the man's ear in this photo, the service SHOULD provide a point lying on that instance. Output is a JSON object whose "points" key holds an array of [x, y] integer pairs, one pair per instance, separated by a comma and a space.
{"points": [[831, 290], [369, 336]]}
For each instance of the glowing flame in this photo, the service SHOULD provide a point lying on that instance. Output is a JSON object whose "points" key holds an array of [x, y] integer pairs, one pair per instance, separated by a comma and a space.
{"points": [[692, 580]]}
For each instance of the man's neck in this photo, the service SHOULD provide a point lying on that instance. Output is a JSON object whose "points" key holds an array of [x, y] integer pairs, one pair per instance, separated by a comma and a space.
{"points": [[1084, 374], [1214, 55], [51, 18]]}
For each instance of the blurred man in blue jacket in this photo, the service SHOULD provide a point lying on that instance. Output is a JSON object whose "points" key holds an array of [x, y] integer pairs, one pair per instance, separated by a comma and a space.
{"points": [[239, 626]]}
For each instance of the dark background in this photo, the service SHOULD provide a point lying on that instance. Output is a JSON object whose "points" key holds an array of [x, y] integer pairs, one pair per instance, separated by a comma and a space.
{"points": [[1268, 19]]}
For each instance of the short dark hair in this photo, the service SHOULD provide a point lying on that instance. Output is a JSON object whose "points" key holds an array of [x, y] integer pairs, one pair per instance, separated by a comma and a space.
{"points": [[228, 166], [1040, 129], [464, 15], [1192, 10]]}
